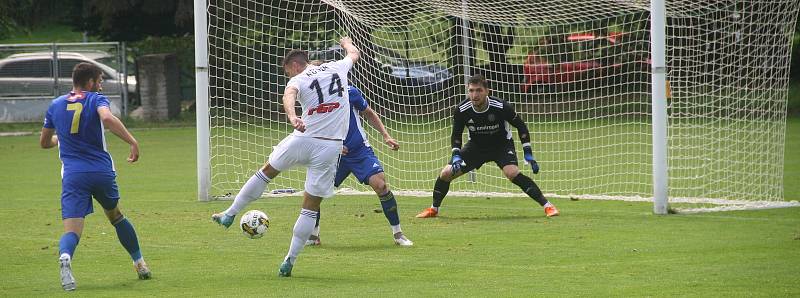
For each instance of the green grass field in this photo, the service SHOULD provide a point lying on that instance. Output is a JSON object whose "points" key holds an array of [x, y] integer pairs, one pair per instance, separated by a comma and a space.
{"points": [[602, 156], [479, 247]]}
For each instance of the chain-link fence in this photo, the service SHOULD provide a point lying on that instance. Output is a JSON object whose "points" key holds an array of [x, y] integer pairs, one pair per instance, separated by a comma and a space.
{"points": [[32, 75]]}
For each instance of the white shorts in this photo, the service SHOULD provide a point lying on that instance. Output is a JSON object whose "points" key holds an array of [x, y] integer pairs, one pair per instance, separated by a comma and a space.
{"points": [[321, 158]]}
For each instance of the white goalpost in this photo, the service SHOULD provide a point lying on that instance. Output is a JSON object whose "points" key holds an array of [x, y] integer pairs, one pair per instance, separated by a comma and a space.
{"points": [[201, 103], [675, 102], [658, 48]]}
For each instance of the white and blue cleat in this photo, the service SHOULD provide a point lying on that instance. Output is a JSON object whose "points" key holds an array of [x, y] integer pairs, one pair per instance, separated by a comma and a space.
{"points": [[222, 219], [67, 280]]}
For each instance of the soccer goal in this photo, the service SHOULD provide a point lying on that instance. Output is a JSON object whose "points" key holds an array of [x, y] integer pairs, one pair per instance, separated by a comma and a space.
{"points": [[681, 103]]}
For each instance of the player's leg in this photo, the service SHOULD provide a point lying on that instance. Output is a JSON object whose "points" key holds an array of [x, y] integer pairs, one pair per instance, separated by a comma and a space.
{"points": [[76, 203], [507, 161], [129, 240], [440, 189], [280, 159], [322, 157], [512, 172], [314, 239], [389, 205], [472, 159], [73, 227], [251, 191], [342, 171], [301, 231], [106, 192]]}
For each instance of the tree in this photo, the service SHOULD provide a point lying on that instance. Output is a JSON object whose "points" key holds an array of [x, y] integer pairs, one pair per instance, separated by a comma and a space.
{"points": [[22, 15], [132, 20]]}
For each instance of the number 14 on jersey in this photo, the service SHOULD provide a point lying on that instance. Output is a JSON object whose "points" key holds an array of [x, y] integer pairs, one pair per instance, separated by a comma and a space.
{"points": [[335, 87]]}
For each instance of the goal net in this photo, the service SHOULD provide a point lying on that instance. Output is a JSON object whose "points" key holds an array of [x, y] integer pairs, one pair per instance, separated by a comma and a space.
{"points": [[578, 72]]}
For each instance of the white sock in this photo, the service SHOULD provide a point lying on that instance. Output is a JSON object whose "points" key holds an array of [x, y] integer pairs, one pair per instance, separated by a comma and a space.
{"points": [[65, 256], [396, 229], [302, 229], [435, 208], [548, 204], [251, 191], [316, 231]]}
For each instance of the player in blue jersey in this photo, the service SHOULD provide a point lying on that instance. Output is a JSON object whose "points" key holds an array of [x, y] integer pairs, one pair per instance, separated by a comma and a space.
{"points": [[359, 159], [74, 122]]}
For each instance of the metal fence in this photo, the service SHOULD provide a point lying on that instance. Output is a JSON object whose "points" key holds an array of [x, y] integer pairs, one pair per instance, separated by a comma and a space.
{"points": [[32, 75]]}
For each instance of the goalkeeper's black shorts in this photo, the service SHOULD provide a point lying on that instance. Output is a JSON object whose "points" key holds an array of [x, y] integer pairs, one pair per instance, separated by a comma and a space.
{"points": [[475, 155]]}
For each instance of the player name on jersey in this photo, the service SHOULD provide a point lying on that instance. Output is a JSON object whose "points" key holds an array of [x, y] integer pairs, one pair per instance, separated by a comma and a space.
{"points": [[313, 71]]}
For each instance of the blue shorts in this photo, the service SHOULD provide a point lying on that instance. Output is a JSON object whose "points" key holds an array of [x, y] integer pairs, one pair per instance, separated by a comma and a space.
{"points": [[363, 164], [77, 190]]}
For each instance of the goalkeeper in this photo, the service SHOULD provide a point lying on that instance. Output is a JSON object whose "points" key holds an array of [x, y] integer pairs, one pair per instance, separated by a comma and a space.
{"points": [[487, 120]]}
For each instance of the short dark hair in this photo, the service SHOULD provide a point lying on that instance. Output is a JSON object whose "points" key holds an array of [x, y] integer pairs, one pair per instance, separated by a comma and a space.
{"points": [[478, 79], [296, 55], [83, 72]]}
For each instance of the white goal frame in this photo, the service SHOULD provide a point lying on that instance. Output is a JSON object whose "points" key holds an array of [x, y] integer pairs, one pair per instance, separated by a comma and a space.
{"points": [[659, 94]]}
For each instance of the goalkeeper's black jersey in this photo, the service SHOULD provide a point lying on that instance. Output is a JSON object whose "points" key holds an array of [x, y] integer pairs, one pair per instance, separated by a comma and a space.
{"points": [[487, 129]]}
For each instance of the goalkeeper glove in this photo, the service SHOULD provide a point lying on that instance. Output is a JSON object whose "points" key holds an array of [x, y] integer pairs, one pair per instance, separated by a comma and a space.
{"points": [[456, 162], [528, 155]]}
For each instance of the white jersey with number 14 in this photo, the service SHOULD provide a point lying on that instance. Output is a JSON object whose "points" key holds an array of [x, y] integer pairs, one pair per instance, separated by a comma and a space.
{"points": [[322, 93]]}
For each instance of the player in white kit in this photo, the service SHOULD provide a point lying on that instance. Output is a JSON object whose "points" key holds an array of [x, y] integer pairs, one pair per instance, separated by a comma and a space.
{"points": [[315, 143]]}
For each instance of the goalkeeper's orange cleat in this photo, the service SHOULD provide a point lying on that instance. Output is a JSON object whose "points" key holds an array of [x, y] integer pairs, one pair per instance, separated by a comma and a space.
{"points": [[427, 213], [551, 211]]}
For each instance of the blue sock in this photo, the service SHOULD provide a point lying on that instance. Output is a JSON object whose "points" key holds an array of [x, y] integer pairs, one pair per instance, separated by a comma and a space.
{"points": [[127, 237], [68, 243], [389, 205]]}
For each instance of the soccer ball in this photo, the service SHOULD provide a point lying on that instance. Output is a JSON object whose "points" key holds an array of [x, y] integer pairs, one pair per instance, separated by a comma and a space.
{"points": [[254, 224]]}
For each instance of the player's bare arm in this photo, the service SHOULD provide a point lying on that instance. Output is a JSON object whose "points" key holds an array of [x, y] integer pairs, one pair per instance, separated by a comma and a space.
{"points": [[289, 99], [115, 126], [352, 51], [48, 139], [375, 121]]}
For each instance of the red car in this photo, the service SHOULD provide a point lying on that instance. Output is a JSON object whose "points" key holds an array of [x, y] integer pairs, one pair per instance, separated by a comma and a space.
{"points": [[539, 71]]}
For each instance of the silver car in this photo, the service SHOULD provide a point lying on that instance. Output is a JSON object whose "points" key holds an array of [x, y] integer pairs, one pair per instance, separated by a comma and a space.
{"points": [[27, 82], [31, 75]]}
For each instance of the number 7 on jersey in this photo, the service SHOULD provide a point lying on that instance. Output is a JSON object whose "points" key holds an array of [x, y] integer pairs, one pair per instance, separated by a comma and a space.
{"points": [[76, 117]]}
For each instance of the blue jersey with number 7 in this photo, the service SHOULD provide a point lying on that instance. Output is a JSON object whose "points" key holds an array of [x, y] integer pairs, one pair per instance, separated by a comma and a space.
{"points": [[81, 139]]}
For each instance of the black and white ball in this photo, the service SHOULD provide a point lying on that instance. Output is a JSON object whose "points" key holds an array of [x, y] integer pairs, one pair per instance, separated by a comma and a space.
{"points": [[254, 224]]}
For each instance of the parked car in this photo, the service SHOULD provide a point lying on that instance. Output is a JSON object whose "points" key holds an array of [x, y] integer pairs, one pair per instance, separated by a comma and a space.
{"points": [[540, 72], [30, 74], [400, 69]]}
